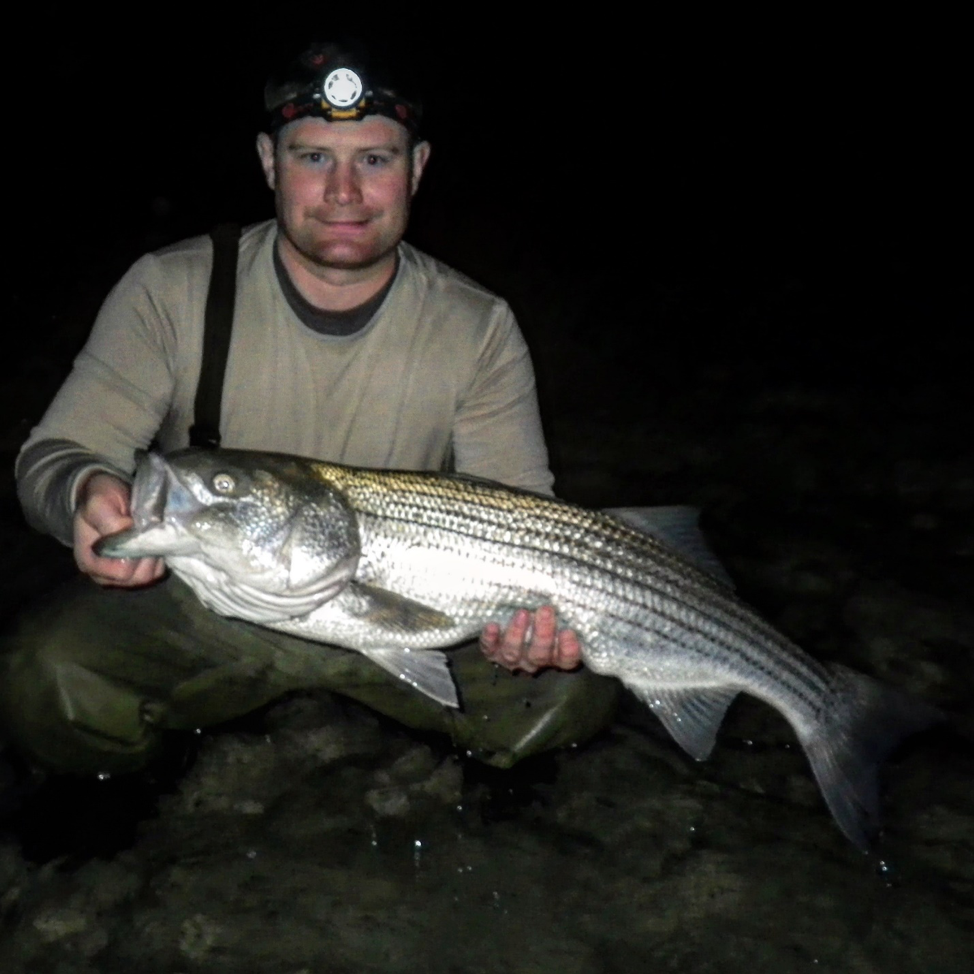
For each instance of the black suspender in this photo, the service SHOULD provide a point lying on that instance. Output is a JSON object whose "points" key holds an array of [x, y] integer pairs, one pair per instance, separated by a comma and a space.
{"points": [[217, 325]]}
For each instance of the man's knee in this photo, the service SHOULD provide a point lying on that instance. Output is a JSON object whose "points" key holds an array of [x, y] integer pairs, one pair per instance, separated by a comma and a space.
{"points": [[61, 705], [69, 718]]}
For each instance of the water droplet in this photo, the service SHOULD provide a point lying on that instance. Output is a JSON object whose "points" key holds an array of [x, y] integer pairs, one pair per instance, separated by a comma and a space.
{"points": [[103, 776], [251, 853]]}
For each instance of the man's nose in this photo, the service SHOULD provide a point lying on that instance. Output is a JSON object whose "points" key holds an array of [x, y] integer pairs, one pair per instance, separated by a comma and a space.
{"points": [[343, 185]]}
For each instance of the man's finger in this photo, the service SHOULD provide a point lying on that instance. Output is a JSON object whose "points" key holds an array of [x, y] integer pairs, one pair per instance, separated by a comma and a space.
{"points": [[542, 645], [512, 646], [568, 652]]}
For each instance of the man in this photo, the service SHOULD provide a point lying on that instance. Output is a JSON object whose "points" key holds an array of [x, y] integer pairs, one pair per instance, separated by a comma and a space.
{"points": [[347, 345]]}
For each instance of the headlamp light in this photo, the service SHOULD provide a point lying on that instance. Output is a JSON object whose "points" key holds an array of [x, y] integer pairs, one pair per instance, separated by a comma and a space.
{"points": [[342, 88], [328, 83]]}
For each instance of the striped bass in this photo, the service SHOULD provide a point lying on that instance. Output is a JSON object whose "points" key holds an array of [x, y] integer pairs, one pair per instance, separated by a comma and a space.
{"points": [[397, 565]]}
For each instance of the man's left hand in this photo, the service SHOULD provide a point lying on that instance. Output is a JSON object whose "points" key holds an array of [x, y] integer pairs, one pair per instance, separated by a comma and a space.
{"points": [[531, 642]]}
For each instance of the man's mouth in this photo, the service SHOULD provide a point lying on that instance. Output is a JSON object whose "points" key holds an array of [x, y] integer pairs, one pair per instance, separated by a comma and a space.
{"points": [[343, 221]]}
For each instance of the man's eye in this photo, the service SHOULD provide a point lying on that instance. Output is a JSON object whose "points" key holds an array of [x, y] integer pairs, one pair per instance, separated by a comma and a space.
{"points": [[314, 157], [374, 159]]}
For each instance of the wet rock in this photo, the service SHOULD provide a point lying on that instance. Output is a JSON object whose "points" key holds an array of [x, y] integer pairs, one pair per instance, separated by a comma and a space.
{"points": [[198, 936], [60, 923], [418, 775]]}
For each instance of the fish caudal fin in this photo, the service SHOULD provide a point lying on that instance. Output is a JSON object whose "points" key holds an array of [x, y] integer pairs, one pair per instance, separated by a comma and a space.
{"points": [[863, 722]]}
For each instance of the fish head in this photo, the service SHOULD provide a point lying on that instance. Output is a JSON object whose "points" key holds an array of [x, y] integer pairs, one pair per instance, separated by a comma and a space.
{"points": [[259, 520]]}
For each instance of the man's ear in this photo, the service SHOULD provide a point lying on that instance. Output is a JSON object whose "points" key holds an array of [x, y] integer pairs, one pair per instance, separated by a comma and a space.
{"points": [[421, 155], [265, 149]]}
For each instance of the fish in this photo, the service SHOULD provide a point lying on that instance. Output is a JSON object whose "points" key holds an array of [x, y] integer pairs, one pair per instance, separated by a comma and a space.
{"points": [[399, 565]]}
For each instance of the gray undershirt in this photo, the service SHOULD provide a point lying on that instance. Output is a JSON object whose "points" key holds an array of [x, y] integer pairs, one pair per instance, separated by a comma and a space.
{"points": [[341, 323]]}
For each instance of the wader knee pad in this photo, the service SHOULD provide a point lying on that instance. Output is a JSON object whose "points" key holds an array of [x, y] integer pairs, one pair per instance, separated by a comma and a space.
{"points": [[72, 720]]}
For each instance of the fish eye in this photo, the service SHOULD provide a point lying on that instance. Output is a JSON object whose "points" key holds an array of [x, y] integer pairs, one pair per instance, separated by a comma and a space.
{"points": [[223, 483]]}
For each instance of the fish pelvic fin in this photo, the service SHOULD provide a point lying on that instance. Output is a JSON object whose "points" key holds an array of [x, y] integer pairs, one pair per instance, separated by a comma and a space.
{"points": [[425, 669], [692, 715], [863, 722]]}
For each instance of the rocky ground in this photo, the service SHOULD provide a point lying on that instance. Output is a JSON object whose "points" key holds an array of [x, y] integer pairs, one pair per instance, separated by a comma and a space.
{"points": [[801, 374]]}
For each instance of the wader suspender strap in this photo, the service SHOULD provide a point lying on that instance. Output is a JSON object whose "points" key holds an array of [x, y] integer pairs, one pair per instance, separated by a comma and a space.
{"points": [[217, 325]]}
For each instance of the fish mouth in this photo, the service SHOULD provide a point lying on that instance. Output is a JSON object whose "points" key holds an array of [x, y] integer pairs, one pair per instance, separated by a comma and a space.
{"points": [[160, 506]]}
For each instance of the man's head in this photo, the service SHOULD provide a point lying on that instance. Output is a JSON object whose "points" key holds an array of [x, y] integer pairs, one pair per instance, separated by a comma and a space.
{"points": [[344, 159]]}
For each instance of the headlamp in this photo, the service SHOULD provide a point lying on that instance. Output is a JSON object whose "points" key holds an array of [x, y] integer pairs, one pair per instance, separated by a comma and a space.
{"points": [[333, 84]]}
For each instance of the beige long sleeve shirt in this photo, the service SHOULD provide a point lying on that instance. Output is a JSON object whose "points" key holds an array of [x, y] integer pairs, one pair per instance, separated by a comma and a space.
{"points": [[441, 370]]}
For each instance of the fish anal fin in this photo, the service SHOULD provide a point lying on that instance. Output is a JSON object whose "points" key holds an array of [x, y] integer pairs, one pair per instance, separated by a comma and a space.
{"points": [[426, 670], [692, 715]]}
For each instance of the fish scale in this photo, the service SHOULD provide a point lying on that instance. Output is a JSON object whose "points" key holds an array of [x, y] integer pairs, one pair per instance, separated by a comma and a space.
{"points": [[410, 502], [398, 564]]}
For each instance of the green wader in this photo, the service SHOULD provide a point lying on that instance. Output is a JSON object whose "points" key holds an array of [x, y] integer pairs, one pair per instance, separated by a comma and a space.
{"points": [[92, 678]]}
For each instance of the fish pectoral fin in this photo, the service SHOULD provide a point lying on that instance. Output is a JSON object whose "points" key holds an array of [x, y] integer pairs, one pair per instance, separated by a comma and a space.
{"points": [[395, 613], [425, 669], [692, 715]]}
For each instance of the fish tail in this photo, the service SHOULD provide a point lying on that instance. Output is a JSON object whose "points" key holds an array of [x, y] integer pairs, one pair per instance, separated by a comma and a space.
{"points": [[861, 723]]}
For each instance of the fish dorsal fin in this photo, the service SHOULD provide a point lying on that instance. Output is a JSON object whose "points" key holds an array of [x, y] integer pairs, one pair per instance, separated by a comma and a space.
{"points": [[678, 528], [425, 669], [692, 716]]}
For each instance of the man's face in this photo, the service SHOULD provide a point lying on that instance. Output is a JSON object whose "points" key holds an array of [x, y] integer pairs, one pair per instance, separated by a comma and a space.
{"points": [[343, 189]]}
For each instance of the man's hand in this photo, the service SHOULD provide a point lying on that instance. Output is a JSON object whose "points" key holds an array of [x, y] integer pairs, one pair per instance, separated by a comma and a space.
{"points": [[103, 509], [531, 642]]}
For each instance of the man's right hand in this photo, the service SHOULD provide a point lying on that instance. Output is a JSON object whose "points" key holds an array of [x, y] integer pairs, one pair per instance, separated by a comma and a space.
{"points": [[103, 509]]}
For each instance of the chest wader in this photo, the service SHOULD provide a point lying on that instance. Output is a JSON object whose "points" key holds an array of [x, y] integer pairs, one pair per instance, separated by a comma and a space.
{"points": [[92, 678]]}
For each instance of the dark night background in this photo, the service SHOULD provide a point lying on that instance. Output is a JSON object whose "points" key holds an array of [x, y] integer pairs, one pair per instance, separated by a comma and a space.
{"points": [[684, 217], [721, 189], [739, 248]]}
